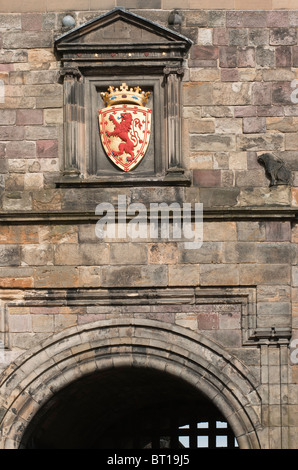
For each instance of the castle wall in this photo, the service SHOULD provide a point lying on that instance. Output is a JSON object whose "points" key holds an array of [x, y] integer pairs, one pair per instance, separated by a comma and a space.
{"points": [[240, 288]]}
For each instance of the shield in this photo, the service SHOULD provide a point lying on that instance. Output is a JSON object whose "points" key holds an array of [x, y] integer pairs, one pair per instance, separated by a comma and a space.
{"points": [[125, 133]]}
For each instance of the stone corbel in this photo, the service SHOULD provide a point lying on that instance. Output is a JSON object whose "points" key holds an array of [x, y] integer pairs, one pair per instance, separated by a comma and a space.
{"points": [[70, 73], [271, 335]]}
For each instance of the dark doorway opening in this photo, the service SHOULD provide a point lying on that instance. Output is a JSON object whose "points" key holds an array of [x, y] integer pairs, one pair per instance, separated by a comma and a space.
{"points": [[128, 408]]}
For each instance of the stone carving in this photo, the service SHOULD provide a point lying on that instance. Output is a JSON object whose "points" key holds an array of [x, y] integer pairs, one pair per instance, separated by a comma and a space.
{"points": [[125, 125], [175, 19], [275, 168]]}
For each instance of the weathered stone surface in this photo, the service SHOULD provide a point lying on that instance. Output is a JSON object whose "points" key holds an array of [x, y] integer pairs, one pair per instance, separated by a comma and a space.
{"points": [[20, 149], [238, 161], [291, 141], [207, 178], [229, 75], [43, 323], [41, 133], [283, 56], [228, 126], [31, 21], [228, 56], [9, 255], [46, 199], [271, 274], [238, 37], [56, 276], [255, 178], [128, 253], [197, 93], [29, 117], [202, 126], [219, 196], [7, 117], [58, 234], [209, 252], [276, 253], [20, 323], [282, 124], [204, 52], [53, 116], [283, 36], [11, 56], [251, 231], [277, 195], [33, 181], [265, 56], [278, 231], [213, 142], [80, 255], [281, 93], [217, 111], [19, 277], [241, 252], [184, 275], [260, 142], [47, 148], [252, 125], [16, 200], [134, 276], [246, 57], [38, 255], [262, 93], [295, 275], [27, 39], [14, 183], [220, 231], [220, 36], [219, 275], [11, 133], [232, 93], [162, 253], [258, 37]]}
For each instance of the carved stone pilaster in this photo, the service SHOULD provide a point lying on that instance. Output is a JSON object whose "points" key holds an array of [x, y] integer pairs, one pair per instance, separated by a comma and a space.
{"points": [[74, 121], [173, 80]]}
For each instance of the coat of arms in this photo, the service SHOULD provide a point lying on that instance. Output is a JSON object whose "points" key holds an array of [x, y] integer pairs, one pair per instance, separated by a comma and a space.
{"points": [[125, 125]]}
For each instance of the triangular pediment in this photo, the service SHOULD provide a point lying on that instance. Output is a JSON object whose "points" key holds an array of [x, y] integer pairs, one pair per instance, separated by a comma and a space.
{"points": [[119, 27]]}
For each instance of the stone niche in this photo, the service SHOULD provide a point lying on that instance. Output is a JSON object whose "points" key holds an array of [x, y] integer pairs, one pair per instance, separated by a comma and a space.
{"points": [[114, 48]]}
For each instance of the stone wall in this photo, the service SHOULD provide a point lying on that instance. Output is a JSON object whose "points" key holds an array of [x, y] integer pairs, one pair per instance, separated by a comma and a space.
{"points": [[237, 104]]}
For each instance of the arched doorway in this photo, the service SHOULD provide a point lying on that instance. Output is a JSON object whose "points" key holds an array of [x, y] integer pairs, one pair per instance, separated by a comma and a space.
{"points": [[127, 384], [128, 408]]}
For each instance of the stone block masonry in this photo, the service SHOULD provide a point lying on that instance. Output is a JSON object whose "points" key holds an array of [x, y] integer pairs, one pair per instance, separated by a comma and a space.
{"points": [[239, 291], [237, 97]]}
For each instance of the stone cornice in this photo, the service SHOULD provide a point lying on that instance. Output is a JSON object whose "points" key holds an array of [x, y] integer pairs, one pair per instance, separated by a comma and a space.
{"points": [[211, 214]]}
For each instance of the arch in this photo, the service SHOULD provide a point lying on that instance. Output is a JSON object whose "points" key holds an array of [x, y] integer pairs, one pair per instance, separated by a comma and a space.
{"points": [[30, 381]]}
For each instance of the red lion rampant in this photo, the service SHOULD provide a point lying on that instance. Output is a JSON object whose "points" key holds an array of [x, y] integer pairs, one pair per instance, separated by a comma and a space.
{"points": [[121, 130]]}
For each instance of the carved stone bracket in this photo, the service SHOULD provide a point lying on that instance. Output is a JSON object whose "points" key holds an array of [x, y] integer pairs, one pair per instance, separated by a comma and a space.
{"points": [[70, 73], [276, 170], [270, 336]]}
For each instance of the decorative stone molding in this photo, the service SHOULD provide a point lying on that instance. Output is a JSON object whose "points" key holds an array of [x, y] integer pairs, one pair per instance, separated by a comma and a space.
{"points": [[121, 46], [81, 350]]}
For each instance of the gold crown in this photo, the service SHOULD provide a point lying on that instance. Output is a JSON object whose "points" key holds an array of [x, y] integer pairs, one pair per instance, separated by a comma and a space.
{"points": [[125, 95]]}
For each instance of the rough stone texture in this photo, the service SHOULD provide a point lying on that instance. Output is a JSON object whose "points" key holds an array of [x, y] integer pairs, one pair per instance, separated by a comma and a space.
{"points": [[238, 290]]}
